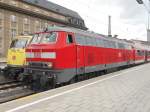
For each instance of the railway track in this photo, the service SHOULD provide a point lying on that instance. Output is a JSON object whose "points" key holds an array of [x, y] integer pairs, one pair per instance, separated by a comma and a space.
{"points": [[12, 90], [9, 84]]}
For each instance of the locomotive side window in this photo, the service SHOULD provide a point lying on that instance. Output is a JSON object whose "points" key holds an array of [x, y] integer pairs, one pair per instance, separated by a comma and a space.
{"points": [[113, 44], [88, 41], [121, 45], [91, 41], [110, 44], [69, 39], [98, 42], [80, 40], [106, 43], [101, 42]]}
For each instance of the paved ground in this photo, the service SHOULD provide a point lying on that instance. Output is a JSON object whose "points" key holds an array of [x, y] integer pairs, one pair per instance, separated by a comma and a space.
{"points": [[123, 91]]}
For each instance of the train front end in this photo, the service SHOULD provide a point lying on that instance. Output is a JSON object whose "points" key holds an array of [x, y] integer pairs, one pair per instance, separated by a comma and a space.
{"points": [[40, 57], [50, 59], [16, 56]]}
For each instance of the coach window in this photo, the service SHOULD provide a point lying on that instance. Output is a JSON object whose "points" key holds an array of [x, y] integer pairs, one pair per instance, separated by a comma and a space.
{"points": [[97, 42], [69, 39], [101, 43]]}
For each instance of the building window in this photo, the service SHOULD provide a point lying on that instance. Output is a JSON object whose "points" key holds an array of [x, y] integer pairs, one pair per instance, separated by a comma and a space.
{"points": [[1, 19], [13, 33], [13, 18], [1, 37], [13, 27], [46, 25], [1, 32], [37, 26], [1, 40], [26, 26]]}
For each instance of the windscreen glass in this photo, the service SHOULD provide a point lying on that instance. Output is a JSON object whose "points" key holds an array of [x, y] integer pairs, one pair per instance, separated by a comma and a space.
{"points": [[18, 43], [44, 38], [49, 37], [36, 39]]}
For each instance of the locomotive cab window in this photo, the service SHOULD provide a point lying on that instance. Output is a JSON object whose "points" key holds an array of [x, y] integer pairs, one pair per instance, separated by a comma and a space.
{"points": [[69, 39], [49, 37], [18, 43], [36, 38]]}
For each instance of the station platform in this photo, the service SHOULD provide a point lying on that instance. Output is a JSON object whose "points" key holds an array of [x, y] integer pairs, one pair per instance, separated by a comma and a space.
{"points": [[123, 91]]}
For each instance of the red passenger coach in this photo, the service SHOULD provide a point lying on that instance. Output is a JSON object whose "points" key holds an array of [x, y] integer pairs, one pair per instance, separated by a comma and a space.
{"points": [[61, 55], [141, 52]]}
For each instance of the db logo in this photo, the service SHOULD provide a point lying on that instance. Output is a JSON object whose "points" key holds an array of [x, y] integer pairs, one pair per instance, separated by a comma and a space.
{"points": [[13, 57], [119, 54], [37, 55]]}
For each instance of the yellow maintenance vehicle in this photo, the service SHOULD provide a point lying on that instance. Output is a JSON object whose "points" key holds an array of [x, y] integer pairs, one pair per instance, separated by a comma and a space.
{"points": [[16, 59]]}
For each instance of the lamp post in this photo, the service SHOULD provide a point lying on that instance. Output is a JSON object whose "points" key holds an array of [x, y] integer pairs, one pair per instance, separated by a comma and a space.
{"points": [[148, 10]]}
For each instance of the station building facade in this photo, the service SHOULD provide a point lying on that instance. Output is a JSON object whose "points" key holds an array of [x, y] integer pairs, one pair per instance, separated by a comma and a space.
{"points": [[29, 16]]}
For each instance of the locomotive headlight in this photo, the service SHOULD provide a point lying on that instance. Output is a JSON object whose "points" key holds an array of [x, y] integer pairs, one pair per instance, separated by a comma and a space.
{"points": [[50, 64]]}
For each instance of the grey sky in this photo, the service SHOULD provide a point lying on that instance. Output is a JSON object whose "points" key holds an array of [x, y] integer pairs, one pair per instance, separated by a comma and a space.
{"points": [[128, 18]]}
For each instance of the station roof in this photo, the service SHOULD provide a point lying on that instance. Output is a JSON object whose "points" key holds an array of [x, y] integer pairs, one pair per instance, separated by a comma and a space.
{"points": [[54, 7]]}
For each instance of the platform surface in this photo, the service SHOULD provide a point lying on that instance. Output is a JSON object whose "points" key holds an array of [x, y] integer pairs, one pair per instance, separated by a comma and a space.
{"points": [[123, 91]]}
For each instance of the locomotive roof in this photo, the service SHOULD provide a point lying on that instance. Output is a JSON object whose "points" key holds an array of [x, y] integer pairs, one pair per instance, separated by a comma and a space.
{"points": [[86, 33]]}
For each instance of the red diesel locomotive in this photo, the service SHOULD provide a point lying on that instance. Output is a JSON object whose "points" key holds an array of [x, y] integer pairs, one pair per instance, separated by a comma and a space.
{"points": [[60, 55]]}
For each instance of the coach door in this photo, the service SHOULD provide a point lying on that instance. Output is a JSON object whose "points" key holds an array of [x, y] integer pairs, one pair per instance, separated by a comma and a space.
{"points": [[80, 54], [146, 55]]}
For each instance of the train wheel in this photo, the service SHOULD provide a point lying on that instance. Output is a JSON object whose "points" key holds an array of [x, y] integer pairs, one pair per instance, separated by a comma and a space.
{"points": [[53, 84], [36, 85], [6, 73]]}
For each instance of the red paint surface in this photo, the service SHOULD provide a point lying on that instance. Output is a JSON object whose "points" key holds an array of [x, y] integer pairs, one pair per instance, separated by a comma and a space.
{"points": [[72, 55]]}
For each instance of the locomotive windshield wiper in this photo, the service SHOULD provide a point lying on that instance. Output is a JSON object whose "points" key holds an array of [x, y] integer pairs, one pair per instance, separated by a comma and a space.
{"points": [[36, 39]]}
